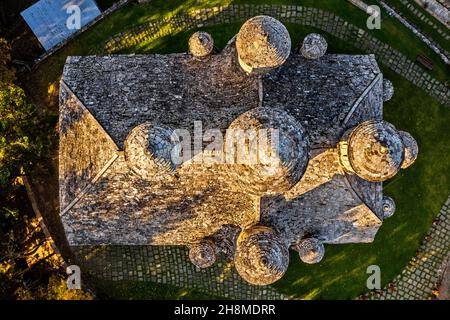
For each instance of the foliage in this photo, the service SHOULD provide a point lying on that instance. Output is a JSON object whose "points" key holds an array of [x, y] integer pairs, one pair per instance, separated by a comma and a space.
{"points": [[55, 290], [27, 260], [21, 140], [7, 73]]}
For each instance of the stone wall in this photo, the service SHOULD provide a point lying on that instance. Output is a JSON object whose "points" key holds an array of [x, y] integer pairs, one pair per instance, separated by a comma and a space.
{"points": [[360, 4], [429, 42], [439, 9]]}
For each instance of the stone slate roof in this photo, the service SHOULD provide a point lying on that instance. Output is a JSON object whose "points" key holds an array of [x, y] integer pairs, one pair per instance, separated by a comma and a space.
{"points": [[175, 89], [104, 98]]}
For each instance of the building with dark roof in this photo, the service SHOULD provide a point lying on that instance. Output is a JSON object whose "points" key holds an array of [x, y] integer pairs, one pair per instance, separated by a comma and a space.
{"points": [[119, 184]]}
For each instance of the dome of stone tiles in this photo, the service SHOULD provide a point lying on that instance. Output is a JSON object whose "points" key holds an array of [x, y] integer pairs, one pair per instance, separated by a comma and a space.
{"points": [[375, 150], [310, 250], [261, 257], [201, 44], [314, 46], [388, 90], [272, 160], [388, 207], [148, 151], [263, 43], [203, 254], [411, 149]]}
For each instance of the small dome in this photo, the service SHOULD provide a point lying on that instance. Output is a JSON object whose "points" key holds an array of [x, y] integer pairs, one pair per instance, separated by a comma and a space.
{"points": [[314, 46], [388, 90], [261, 257], [201, 44], [310, 250], [375, 150], [411, 149], [203, 254], [388, 207], [263, 43], [267, 151], [148, 150]]}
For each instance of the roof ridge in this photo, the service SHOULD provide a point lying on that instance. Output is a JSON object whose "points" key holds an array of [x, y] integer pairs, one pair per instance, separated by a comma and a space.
{"points": [[82, 106], [361, 97], [90, 184]]}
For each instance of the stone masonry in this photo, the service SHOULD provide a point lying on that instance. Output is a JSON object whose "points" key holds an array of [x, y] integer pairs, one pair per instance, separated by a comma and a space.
{"points": [[127, 190]]}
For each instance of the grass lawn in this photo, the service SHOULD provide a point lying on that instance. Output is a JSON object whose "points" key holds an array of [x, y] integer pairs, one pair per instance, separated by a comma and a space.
{"points": [[422, 25], [419, 192]]}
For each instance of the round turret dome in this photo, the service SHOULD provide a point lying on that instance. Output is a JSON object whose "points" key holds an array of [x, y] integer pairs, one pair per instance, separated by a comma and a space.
{"points": [[267, 151], [388, 90], [375, 150], [411, 149], [388, 207], [310, 250], [314, 46], [201, 44], [148, 151], [263, 43], [261, 257], [203, 254]]}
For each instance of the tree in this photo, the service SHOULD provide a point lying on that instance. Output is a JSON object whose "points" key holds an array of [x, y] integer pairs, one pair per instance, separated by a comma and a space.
{"points": [[21, 140], [28, 264], [55, 290], [7, 73]]}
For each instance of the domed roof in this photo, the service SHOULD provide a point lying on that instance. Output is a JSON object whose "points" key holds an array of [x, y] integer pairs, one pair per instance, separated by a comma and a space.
{"points": [[202, 254], [261, 257], [267, 151], [314, 46], [388, 207], [262, 43], [201, 44], [310, 250], [411, 149], [148, 150], [388, 90], [375, 150]]}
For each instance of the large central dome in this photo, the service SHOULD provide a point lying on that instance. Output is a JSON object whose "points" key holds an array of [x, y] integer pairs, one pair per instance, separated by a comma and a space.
{"points": [[267, 151]]}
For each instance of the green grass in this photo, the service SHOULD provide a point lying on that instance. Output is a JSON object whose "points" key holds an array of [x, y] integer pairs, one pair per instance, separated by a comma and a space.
{"points": [[419, 192], [422, 25]]}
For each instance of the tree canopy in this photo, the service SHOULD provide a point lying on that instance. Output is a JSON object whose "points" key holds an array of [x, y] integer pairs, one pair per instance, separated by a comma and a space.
{"points": [[21, 140], [7, 72]]}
